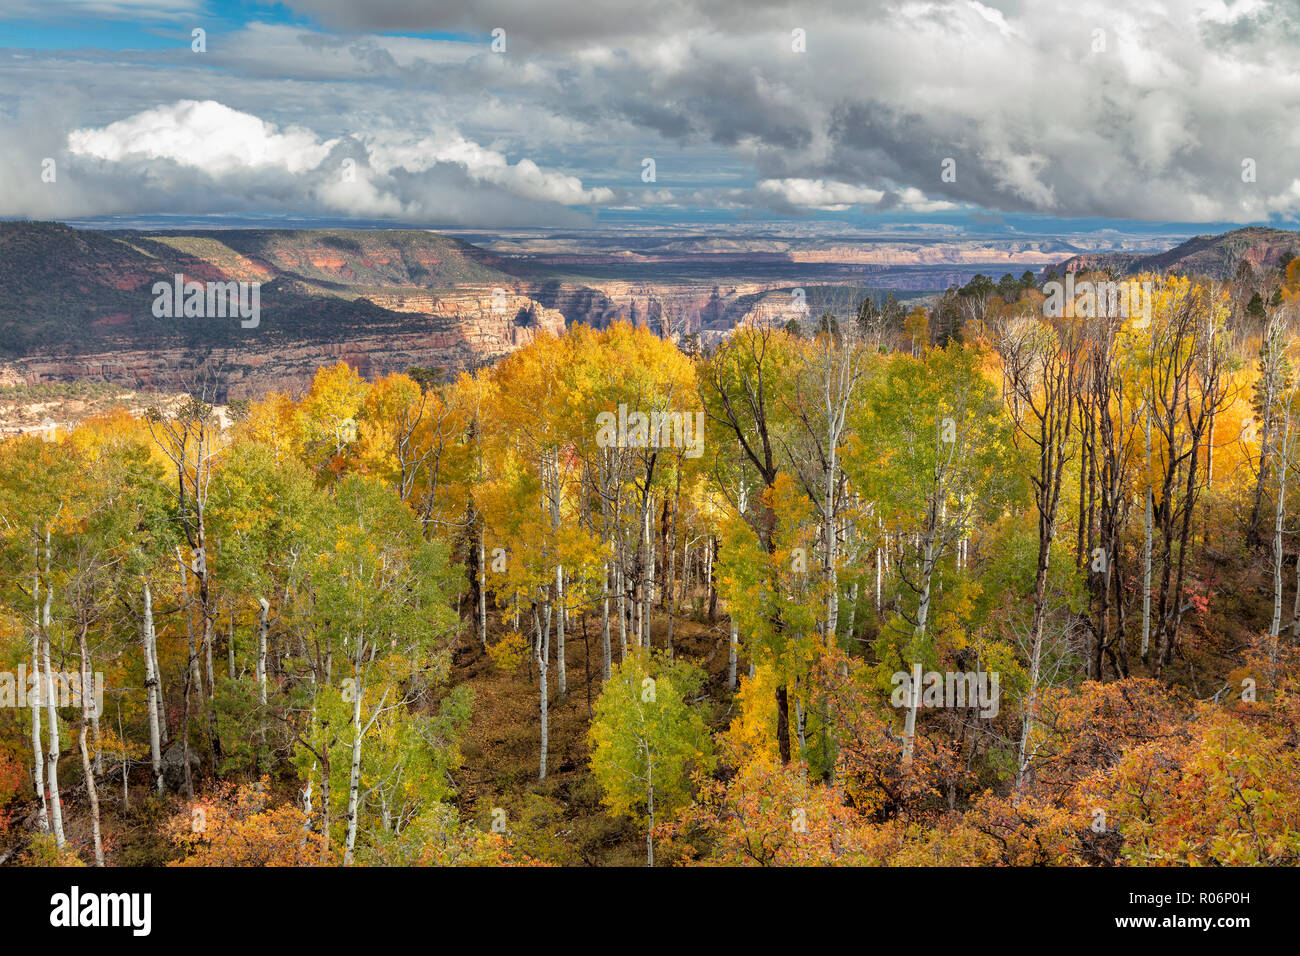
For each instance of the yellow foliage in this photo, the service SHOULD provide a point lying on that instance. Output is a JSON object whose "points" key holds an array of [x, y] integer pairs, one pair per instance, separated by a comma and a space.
{"points": [[509, 653]]}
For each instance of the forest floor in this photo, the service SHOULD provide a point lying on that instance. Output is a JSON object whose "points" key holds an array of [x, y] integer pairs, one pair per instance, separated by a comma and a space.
{"points": [[561, 819]]}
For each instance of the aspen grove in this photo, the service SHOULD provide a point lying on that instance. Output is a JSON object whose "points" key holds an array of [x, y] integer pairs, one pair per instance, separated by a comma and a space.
{"points": [[621, 598]]}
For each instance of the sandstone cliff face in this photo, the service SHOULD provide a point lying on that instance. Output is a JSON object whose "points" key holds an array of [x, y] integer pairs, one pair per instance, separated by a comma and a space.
{"points": [[691, 306], [80, 304], [50, 417], [452, 331]]}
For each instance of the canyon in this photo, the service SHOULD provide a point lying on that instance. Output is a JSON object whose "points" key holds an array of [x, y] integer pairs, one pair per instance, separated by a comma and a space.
{"points": [[75, 304]]}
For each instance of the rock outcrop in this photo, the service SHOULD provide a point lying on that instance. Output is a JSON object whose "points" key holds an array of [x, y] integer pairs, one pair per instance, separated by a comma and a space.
{"points": [[451, 331]]}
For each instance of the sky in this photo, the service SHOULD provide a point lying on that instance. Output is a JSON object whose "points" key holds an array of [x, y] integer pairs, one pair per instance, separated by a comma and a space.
{"points": [[1008, 115]]}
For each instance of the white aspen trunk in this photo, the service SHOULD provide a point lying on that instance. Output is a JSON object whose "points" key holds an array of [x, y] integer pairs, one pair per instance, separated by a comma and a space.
{"points": [[922, 618], [1146, 550], [882, 556], [634, 612], [638, 606], [853, 608], [163, 734], [326, 813], [878, 576], [561, 679], [207, 653], [688, 565], [647, 576], [682, 581], [311, 771], [88, 708], [552, 504], [354, 783], [606, 662], [670, 546], [831, 543], [1027, 724], [38, 751], [194, 683], [650, 805], [543, 650], [306, 803], [1035, 660], [151, 687], [263, 625], [92, 795], [708, 567], [52, 756], [1275, 626], [1279, 516], [482, 588], [652, 562], [51, 703], [95, 733], [732, 655], [619, 584]]}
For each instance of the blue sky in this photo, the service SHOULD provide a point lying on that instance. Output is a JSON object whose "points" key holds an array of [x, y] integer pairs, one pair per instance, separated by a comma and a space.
{"points": [[150, 26], [1019, 117]]}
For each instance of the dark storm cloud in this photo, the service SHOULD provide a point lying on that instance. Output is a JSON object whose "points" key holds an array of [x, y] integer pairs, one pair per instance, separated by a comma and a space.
{"points": [[1148, 109], [549, 24]]}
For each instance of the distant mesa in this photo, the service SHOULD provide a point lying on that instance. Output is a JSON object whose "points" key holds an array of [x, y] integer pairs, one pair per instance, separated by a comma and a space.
{"points": [[1215, 257], [77, 304]]}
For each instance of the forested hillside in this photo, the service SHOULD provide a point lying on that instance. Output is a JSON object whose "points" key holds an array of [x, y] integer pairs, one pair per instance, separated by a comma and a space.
{"points": [[970, 585], [69, 291]]}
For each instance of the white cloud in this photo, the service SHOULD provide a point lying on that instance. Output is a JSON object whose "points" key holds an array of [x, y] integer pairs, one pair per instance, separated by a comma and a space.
{"points": [[393, 174], [914, 200], [994, 17], [820, 194], [1219, 11], [202, 135], [831, 196], [524, 178]]}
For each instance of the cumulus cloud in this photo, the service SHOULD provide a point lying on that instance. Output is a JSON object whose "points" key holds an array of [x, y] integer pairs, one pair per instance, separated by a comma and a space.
{"points": [[203, 135], [524, 178], [833, 196], [819, 194], [385, 174]]}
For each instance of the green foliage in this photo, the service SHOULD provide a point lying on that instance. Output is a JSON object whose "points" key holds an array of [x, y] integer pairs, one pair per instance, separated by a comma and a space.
{"points": [[647, 737], [238, 720]]}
